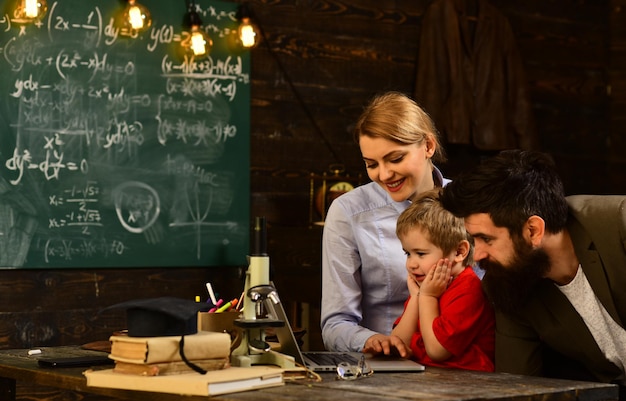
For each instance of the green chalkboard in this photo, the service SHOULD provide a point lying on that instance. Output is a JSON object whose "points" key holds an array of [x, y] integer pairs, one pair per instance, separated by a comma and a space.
{"points": [[118, 151]]}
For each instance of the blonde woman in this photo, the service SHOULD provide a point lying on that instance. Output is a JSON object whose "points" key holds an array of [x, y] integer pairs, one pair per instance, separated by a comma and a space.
{"points": [[363, 273]]}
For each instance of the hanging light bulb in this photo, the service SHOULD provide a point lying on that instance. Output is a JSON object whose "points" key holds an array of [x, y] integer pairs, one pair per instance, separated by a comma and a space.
{"points": [[248, 33], [197, 44], [136, 18], [200, 43], [27, 11]]}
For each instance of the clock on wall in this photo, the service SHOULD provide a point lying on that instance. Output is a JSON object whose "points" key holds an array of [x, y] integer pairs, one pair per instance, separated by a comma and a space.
{"points": [[326, 188]]}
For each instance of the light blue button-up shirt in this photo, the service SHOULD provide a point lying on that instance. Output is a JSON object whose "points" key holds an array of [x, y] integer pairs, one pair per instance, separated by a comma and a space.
{"points": [[363, 267]]}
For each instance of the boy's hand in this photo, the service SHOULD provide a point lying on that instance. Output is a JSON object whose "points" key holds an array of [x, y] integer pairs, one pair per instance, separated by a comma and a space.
{"points": [[437, 279], [414, 288]]}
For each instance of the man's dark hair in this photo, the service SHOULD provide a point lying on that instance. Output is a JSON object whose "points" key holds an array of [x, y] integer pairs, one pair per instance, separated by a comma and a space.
{"points": [[510, 187]]}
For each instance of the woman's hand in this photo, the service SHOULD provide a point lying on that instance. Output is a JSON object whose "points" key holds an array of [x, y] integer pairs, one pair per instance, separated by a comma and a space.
{"points": [[388, 345]]}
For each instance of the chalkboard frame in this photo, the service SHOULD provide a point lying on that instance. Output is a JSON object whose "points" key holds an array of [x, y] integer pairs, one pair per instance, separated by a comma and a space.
{"points": [[122, 151]]}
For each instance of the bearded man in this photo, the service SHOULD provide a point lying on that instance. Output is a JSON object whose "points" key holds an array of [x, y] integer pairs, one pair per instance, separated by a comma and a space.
{"points": [[555, 267]]}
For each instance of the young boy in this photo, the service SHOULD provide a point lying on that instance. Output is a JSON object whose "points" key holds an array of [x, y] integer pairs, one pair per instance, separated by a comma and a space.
{"points": [[447, 321]]}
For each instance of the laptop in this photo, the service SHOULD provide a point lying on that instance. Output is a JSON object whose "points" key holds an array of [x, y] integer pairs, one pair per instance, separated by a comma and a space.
{"points": [[327, 361]]}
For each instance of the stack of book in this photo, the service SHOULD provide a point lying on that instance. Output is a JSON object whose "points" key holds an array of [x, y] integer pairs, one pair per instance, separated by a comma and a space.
{"points": [[158, 356], [154, 364]]}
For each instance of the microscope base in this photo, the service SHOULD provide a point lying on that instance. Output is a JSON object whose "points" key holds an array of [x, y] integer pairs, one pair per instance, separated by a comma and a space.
{"points": [[266, 358]]}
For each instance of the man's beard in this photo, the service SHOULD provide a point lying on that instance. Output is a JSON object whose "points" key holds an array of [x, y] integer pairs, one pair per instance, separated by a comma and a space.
{"points": [[509, 287]]}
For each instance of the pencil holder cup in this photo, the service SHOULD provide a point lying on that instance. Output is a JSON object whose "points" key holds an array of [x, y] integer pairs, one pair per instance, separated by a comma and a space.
{"points": [[222, 322]]}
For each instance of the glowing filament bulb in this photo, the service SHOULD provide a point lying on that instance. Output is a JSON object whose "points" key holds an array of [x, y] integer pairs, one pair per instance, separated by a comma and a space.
{"points": [[31, 8], [135, 17], [198, 43], [27, 11], [247, 33]]}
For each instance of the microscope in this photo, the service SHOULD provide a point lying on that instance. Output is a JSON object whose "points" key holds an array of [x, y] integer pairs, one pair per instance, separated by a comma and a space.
{"points": [[259, 309]]}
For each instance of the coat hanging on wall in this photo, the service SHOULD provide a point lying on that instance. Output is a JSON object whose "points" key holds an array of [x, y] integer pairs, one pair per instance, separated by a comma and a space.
{"points": [[470, 77]]}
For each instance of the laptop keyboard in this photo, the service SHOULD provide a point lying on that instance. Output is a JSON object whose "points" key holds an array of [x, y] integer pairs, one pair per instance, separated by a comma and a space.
{"points": [[331, 359]]}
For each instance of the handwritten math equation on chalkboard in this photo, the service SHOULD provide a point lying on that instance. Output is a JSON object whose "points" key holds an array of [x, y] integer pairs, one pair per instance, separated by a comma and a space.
{"points": [[117, 151]]}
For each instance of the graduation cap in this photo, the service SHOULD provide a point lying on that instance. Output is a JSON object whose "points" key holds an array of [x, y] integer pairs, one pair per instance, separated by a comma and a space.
{"points": [[164, 316]]}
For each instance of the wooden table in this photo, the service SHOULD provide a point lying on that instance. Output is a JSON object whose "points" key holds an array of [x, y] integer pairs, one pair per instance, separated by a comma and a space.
{"points": [[434, 384]]}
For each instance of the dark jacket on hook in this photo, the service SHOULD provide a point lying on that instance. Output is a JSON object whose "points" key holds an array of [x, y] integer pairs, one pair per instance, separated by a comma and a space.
{"points": [[470, 77]]}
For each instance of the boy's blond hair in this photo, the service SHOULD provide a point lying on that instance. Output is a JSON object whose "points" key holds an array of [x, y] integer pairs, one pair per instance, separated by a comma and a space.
{"points": [[443, 229]]}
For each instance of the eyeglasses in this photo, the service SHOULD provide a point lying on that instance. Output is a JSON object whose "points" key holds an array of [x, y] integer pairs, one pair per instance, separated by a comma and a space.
{"points": [[345, 371]]}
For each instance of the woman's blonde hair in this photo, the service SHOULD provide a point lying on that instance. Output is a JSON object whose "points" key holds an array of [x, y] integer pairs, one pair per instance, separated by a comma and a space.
{"points": [[396, 117]]}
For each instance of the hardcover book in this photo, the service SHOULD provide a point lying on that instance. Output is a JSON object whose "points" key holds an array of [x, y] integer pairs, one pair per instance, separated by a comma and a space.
{"points": [[169, 368], [230, 380], [198, 346]]}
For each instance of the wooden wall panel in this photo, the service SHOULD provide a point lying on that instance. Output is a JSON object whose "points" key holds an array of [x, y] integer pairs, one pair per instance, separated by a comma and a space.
{"points": [[60, 307], [565, 45], [617, 139]]}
